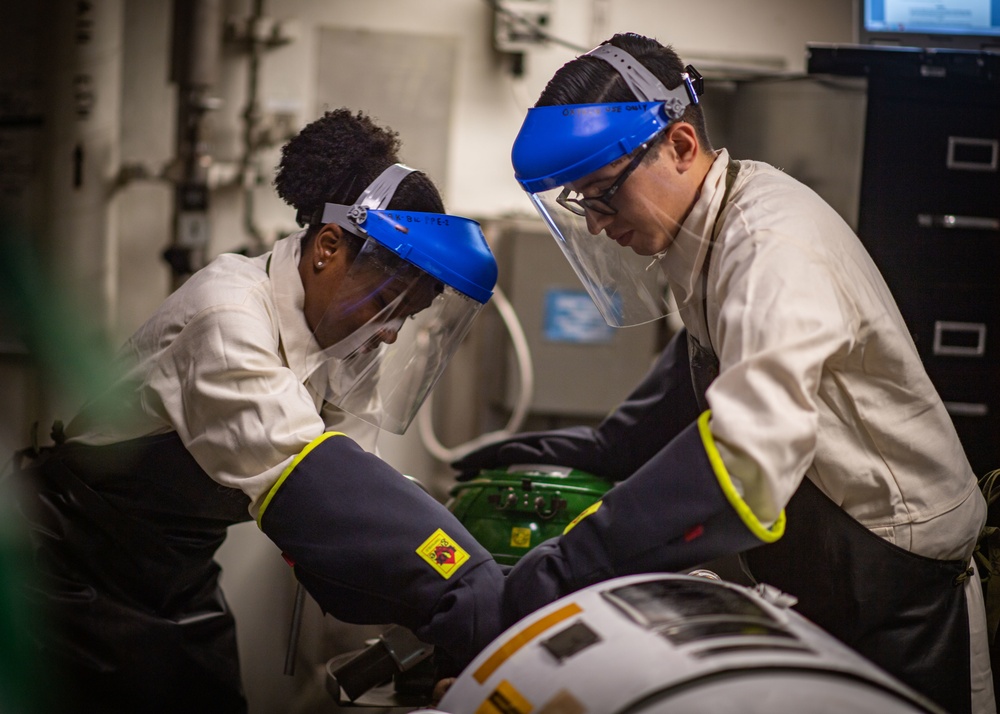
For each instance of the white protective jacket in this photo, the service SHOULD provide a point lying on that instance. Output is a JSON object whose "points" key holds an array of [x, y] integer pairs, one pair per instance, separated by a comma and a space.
{"points": [[818, 374], [223, 363]]}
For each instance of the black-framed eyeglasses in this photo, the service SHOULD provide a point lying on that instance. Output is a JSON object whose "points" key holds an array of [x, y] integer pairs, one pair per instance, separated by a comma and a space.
{"points": [[602, 204]]}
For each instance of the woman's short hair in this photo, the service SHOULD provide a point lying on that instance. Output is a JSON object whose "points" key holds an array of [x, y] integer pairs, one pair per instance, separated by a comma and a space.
{"points": [[333, 159]]}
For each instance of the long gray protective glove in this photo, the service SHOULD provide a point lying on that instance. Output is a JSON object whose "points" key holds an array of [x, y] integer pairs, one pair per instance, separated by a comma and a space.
{"points": [[372, 547], [680, 509], [657, 410]]}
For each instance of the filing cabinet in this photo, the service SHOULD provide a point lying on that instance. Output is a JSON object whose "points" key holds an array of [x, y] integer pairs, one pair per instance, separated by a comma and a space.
{"points": [[929, 214]]}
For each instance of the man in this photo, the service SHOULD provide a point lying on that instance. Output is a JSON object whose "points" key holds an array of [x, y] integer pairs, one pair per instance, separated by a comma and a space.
{"points": [[812, 438]]}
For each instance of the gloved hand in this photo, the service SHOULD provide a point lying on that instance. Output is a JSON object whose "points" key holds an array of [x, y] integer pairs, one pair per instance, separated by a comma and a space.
{"points": [[658, 409], [577, 447]]}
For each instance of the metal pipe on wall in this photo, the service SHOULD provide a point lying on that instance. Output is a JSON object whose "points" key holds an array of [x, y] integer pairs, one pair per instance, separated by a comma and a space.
{"points": [[196, 52], [83, 120], [252, 118]]}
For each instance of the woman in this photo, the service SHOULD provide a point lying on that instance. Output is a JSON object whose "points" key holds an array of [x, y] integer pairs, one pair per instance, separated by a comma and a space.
{"points": [[224, 409]]}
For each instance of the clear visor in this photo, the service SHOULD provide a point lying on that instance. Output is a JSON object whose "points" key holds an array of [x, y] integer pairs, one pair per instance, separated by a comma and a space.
{"points": [[386, 337], [628, 287]]}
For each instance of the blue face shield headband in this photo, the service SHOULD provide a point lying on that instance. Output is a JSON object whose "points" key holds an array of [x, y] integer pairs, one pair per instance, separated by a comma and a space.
{"points": [[560, 144], [450, 248]]}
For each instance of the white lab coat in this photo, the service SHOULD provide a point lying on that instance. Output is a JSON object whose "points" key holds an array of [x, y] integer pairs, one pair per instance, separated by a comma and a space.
{"points": [[819, 375], [223, 362]]}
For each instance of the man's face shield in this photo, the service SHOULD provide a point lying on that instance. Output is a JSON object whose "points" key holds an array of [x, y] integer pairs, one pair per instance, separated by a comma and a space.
{"points": [[627, 287], [585, 183], [579, 203], [573, 162], [399, 310]]}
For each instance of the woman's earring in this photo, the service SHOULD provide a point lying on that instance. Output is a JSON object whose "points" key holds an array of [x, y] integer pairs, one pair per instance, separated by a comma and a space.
{"points": [[319, 263]]}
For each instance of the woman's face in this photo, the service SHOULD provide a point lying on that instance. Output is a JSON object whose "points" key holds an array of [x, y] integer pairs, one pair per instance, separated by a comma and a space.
{"points": [[344, 295]]}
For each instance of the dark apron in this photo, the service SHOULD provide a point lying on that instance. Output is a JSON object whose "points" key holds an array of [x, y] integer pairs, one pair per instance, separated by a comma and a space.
{"points": [[124, 539], [904, 612]]}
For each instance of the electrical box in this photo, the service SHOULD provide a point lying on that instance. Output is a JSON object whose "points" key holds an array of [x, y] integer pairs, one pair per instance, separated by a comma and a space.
{"points": [[519, 25], [582, 366]]}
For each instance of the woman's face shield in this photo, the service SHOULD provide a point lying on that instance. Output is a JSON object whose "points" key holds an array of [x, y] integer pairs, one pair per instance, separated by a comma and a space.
{"points": [[392, 322], [374, 295], [386, 338], [396, 311]]}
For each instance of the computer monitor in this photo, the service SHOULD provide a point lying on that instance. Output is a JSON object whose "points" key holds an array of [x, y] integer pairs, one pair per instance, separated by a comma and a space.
{"points": [[943, 24]]}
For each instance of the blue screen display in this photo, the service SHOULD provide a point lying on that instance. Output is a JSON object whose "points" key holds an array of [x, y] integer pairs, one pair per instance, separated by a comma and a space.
{"points": [[933, 17]]}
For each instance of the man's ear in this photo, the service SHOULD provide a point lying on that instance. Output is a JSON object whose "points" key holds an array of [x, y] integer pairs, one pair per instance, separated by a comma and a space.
{"points": [[684, 140]]}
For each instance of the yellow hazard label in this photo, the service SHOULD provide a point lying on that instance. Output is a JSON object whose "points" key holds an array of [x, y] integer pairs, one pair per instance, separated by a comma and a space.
{"points": [[520, 537], [592, 508], [505, 700], [444, 555]]}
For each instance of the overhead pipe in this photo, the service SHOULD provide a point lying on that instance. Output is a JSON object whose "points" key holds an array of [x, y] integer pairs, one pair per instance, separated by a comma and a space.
{"points": [[83, 134], [254, 36], [252, 118], [196, 52]]}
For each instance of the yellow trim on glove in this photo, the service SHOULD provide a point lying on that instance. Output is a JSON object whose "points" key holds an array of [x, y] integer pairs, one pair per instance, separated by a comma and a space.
{"points": [[592, 508], [291, 467], [768, 535]]}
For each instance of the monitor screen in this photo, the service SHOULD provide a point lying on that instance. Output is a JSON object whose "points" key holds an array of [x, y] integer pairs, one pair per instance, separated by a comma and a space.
{"points": [[960, 24]]}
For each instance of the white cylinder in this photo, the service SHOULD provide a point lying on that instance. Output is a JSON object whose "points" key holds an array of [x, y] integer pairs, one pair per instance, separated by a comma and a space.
{"points": [[674, 644]]}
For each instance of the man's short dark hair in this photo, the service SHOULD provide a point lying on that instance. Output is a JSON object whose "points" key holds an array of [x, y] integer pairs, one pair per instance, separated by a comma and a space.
{"points": [[591, 80]]}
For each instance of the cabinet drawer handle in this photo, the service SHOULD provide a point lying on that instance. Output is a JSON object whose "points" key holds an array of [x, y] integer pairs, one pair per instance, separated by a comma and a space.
{"points": [[948, 220], [968, 154], [970, 409], [945, 330]]}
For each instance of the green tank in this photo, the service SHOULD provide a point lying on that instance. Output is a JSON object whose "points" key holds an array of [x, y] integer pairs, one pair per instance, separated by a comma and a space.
{"points": [[509, 511]]}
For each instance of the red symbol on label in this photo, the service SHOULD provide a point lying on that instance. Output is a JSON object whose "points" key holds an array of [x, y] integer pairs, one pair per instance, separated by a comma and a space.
{"points": [[444, 555], [693, 532]]}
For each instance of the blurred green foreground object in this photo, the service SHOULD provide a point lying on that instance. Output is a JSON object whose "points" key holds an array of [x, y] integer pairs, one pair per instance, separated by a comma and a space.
{"points": [[21, 675], [44, 332]]}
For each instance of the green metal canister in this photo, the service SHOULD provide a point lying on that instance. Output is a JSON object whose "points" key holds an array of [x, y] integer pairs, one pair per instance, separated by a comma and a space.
{"points": [[509, 511]]}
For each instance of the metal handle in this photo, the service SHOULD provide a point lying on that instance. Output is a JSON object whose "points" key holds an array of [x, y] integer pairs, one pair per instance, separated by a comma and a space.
{"points": [[968, 409], [948, 220], [969, 154], [556, 504], [944, 330], [503, 501], [293, 631]]}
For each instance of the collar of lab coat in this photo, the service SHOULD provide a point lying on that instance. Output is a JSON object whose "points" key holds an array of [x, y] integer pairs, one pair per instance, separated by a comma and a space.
{"points": [[684, 258], [296, 338]]}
